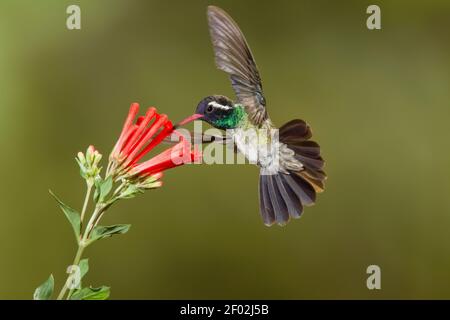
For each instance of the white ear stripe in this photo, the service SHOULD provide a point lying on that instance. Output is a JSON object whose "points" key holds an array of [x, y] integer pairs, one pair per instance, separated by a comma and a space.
{"points": [[218, 105]]}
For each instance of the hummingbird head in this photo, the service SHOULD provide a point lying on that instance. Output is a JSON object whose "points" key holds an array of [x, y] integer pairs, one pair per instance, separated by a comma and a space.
{"points": [[218, 111]]}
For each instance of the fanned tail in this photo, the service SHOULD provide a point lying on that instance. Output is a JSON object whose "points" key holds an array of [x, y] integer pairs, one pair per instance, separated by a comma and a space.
{"points": [[283, 195]]}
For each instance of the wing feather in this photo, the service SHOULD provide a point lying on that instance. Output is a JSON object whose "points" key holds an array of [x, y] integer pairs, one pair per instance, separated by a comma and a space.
{"points": [[233, 55]]}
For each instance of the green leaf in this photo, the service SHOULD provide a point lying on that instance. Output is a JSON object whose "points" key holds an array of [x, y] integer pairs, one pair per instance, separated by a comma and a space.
{"points": [[45, 290], [71, 214], [101, 232], [97, 187], [102, 189], [105, 188], [84, 267], [101, 293]]}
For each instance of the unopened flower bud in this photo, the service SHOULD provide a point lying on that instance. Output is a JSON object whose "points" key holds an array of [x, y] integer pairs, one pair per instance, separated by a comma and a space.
{"points": [[89, 164], [97, 158], [157, 176], [81, 158], [156, 184], [90, 155], [152, 182]]}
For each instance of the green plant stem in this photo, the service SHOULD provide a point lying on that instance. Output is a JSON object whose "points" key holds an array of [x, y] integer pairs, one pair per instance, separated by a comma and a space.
{"points": [[86, 201], [81, 246], [119, 188], [91, 224], [76, 261]]}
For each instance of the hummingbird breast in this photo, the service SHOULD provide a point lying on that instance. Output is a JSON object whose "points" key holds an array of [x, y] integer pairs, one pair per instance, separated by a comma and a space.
{"points": [[261, 146], [248, 142]]}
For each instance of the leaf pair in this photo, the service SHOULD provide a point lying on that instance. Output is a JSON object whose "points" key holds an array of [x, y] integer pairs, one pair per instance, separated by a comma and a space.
{"points": [[99, 232], [100, 293], [45, 290]]}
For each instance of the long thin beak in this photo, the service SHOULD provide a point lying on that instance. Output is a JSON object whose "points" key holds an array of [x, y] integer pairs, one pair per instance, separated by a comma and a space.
{"points": [[195, 116]]}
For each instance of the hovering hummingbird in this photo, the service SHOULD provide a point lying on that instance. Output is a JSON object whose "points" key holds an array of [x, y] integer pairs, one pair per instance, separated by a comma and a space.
{"points": [[299, 175]]}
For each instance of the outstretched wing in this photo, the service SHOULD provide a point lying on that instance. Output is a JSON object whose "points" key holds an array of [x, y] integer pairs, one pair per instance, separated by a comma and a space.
{"points": [[233, 55]]}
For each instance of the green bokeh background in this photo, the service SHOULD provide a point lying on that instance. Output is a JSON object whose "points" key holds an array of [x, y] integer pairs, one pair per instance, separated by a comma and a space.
{"points": [[378, 102]]}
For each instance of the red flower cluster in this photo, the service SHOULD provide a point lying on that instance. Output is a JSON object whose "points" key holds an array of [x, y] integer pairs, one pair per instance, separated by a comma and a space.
{"points": [[140, 137]]}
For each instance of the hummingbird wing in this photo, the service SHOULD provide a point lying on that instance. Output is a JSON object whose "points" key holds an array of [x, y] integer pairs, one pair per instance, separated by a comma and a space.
{"points": [[233, 55]]}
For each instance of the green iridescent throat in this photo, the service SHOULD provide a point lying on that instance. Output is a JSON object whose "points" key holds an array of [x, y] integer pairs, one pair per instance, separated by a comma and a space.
{"points": [[233, 120]]}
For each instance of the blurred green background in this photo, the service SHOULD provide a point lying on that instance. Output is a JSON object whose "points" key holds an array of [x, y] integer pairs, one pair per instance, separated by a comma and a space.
{"points": [[378, 102]]}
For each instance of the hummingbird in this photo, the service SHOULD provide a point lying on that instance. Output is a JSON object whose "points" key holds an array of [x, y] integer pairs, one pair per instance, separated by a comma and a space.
{"points": [[293, 183]]}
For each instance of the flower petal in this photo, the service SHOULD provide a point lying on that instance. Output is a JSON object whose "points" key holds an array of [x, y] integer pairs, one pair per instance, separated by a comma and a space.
{"points": [[136, 137], [134, 109]]}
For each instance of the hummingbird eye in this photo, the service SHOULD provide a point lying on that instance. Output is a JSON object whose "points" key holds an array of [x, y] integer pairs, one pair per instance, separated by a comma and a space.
{"points": [[209, 109]]}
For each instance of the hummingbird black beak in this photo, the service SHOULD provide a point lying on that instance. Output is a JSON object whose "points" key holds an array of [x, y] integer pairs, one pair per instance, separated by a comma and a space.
{"points": [[195, 116]]}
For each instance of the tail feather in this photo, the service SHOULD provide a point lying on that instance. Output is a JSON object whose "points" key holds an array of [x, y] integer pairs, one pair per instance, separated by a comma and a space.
{"points": [[278, 201], [265, 204], [283, 195], [313, 163], [304, 191], [294, 206], [278, 204], [316, 183], [309, 148]]}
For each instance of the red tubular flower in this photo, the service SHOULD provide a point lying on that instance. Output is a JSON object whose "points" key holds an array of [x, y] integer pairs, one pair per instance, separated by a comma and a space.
{"points": [[140, 137]]}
